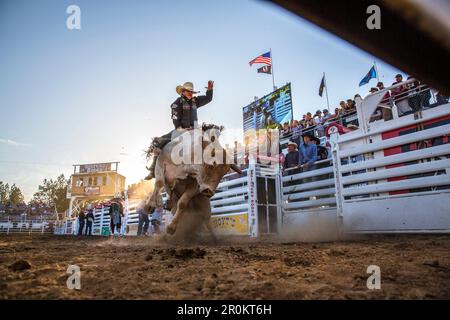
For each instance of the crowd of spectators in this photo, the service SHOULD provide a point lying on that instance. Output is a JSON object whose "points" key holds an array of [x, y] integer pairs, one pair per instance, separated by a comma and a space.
{"points": [[317, 122], [411, 97], [408, 96]]}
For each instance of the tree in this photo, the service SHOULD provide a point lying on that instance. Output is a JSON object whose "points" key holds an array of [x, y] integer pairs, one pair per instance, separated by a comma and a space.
{"points": [[4, 193], [52, 193], [15, 196]]}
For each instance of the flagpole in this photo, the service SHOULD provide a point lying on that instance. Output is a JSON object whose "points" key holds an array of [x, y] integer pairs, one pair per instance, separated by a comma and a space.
{"points": [[376, 70], [326, 88], [273, 78]]}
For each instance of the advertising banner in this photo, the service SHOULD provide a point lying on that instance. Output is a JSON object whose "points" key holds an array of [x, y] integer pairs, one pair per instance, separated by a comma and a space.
{"points": [[96, 167], [270, 111], [91, 191], [236, 224]]}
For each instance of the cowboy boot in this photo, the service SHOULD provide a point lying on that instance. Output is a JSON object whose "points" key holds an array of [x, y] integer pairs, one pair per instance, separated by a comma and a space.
{"points": [[154, 150], [151, 174]]}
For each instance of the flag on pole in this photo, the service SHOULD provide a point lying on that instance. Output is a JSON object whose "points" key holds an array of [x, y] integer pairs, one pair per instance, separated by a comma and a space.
{"points": [[322, 85], [370, 75], [264, 58], [265, 69]]}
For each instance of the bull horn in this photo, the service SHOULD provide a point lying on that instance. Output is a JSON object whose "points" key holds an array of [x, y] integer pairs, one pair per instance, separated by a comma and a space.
{"points": [[235, 168]]}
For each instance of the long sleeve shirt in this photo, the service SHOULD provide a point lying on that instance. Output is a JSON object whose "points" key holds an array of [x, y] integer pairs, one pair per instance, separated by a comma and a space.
{"points": [[296, 132], [291, 159], [184, 112], [308, 153]]}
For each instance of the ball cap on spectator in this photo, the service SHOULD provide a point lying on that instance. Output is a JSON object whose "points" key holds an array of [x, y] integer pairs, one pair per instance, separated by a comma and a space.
{"points": [[292, 143], [325, 111], [398, 75], [187, 86]]}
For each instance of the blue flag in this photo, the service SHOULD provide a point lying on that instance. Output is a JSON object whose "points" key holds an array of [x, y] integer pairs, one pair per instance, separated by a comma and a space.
{"points": [[370, 75]]}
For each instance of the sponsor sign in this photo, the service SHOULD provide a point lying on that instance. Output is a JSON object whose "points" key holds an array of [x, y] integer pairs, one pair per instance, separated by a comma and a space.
{"points": [[91, 191], [252, 203], [96, 167], [105, 231], [230, 224]]}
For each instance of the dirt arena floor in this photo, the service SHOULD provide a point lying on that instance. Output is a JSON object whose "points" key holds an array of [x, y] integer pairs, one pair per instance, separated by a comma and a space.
{"points": [[34, 267]]}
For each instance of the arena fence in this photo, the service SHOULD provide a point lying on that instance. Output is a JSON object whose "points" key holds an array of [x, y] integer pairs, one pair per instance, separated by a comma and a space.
{"points": [[248, 204], [392, 174], [387, 176], [27, 226], [101, 225]]}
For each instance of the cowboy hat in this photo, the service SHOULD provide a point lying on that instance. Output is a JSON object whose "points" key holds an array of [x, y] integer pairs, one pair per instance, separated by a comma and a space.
{"points": [[292, 143], [187, 86], [308, 134]]}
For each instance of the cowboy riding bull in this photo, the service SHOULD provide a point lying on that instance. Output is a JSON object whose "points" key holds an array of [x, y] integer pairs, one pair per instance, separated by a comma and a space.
{"points": [[188, 162]]}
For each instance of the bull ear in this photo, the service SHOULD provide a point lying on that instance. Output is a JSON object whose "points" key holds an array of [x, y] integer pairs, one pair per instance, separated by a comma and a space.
{"points": [[235, 168]]}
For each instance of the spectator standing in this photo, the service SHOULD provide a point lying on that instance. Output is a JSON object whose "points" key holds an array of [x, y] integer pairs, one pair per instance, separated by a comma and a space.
{"points": [[343, 107], [143, 220], [326, 115], [322, 152], [286, 129], [318, 117], [385, 103], [308, 152], [351, 106], [89, 220], [308, 119], [400, 96], [318, 120], [292, 158], [116, 214], [378, 113], [441, 98], [156, 219], [336, 114], [296, 132], [81, 218]]}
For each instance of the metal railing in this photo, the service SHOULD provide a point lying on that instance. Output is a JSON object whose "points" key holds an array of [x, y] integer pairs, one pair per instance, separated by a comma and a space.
{"points": [[27, 226], [311, 189], [407, 97]]}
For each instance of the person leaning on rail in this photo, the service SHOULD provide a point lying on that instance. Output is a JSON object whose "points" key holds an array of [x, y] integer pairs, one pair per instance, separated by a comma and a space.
{"points": [[308, 152]]}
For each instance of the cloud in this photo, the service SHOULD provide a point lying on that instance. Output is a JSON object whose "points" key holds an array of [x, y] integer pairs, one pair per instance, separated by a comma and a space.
{"points": [[10, 142]]}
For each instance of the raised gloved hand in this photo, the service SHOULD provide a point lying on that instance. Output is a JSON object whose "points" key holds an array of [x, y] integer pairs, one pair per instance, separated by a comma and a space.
{"points": [[210, 85]]}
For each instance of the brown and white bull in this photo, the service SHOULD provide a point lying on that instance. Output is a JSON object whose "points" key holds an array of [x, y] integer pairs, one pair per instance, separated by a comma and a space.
{"points": [[190, 184]]}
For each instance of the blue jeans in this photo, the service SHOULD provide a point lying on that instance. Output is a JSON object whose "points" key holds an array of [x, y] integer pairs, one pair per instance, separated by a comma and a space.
{"points": [[89, 228]]}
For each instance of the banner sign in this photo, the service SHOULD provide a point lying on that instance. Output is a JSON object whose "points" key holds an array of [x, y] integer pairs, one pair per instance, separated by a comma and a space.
{"points": [[105, 231], [252, 202], [96, 167], [271, 110], [91, 191], [230, 224]]}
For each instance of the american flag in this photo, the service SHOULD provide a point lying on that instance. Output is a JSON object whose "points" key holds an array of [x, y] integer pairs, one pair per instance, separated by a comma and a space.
{"points": [[264, 58]]}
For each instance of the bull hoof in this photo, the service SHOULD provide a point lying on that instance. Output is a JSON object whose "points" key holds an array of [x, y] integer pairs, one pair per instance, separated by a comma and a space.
{"points": [[171, 229]]}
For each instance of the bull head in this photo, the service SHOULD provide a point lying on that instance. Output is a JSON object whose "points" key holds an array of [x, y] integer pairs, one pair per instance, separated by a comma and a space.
{"points": [[211, 175]]}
